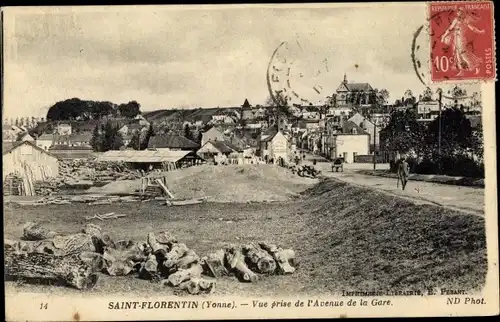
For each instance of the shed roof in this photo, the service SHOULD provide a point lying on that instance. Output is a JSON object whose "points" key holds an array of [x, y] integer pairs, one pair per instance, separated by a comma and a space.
{"points": [[8, 147], [143, 156], [171, 141]]}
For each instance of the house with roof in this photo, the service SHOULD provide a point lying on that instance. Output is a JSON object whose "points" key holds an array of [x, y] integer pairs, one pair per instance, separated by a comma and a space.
{"points": [[221, 152], [353, 93], [427, 109], [274, 144], [139, 119], [63, 129], [369, 127], [225, 116], [24, 158], [346, 140], [131, 128], [212, 134], [45, 141], [172, 142]]}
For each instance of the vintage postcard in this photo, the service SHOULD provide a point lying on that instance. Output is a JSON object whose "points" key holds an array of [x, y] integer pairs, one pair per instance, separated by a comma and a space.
{"points": [[249, 161]]}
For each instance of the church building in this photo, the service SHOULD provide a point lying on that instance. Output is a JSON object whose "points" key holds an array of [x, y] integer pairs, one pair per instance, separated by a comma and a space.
{"points": [[354, 93]]}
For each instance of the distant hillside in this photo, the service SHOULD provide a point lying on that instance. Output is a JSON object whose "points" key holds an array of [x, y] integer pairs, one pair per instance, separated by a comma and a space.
{"points": [[191, 115]]}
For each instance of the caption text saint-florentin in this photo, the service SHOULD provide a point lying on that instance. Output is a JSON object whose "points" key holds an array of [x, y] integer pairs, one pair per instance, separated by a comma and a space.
{"points": [[127, 305]]}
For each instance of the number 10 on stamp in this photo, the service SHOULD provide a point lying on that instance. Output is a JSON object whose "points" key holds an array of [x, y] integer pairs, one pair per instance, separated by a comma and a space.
{"points": [[462, 40]]}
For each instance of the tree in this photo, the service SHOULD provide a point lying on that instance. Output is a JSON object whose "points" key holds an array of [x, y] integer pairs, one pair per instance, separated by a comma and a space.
{"points": [[145, 142], [478, 143], [130, 109], [200, 137], [96, 140], [135, 141], [403, 133], [106, 137], [383, 97], [427, 94], [276, 109], [187, 132], [456, 134], [84, 110], [457, 92]]}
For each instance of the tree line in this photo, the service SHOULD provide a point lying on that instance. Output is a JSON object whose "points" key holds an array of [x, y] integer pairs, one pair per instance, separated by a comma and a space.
{"points": [[447, 145], [75, 109]]}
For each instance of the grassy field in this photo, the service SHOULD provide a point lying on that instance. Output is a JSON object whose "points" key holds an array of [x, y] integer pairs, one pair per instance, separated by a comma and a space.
{"points": [[345, 238]]}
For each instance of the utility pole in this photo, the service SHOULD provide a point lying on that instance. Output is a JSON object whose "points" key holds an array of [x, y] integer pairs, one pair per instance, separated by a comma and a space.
{"points": [[374, 145], [439, 132], [374, 142]]}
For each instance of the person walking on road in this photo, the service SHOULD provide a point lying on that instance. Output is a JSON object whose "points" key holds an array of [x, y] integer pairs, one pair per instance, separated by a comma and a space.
{"points": [[403, 172]]}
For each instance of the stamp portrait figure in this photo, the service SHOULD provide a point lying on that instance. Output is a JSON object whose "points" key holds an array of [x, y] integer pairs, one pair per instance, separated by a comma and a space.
{"points": [[455, 37]]}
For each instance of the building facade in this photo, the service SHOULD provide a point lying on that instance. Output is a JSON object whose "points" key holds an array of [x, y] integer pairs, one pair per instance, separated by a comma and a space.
{"points": [[353, 93], [25, 158]]}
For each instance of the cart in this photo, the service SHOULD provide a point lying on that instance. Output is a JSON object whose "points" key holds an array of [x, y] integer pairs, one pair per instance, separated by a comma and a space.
{"points": [[338, 164]]}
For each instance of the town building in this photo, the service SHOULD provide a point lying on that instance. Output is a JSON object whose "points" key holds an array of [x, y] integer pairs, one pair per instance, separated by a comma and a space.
{"points": [[353, 93], [274, 144], [24, 158], [221, 152], [213, 134], [63, 129], [427, 109], [370, 128], [348, 140], [45, 141], [141, 120]]}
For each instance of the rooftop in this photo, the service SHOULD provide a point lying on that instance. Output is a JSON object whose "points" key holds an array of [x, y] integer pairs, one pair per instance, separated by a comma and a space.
{"points": [[225, 147], [144, 156], [172, 141]]}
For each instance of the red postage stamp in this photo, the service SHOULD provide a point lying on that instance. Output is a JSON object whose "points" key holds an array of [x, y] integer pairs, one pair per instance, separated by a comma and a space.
{"points": [[462, 40]]}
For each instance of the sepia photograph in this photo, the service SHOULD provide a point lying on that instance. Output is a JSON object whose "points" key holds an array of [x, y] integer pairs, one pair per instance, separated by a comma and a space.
{"points": [[221, 161]]}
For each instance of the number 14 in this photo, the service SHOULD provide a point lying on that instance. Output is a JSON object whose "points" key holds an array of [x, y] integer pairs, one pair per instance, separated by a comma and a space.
{"points": [[43, 306]]}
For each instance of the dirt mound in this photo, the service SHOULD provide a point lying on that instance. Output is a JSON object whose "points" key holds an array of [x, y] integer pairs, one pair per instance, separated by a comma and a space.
{"points": [[367, 240], [231, 183]]}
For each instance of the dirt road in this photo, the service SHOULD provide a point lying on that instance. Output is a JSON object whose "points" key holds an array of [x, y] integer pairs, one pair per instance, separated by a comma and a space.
{"points": [[465, 199]]}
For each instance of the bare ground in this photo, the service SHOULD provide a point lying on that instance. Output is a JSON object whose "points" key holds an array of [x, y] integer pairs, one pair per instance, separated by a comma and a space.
{"points": [[345, 237]]}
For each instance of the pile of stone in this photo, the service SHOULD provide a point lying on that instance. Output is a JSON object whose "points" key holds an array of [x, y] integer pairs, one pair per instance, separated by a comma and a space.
{"points": [[77, 259]]}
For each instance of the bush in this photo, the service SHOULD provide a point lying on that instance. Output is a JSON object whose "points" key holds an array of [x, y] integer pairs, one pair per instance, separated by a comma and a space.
{"points": [[458, 166]]}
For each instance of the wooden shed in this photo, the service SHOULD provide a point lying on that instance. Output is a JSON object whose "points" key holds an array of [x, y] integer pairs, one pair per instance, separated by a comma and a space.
{"points": [[19, 155]]}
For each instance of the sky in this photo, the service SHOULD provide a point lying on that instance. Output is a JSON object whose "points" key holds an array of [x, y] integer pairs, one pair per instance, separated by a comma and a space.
{"points": [[179, 57]]}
